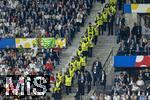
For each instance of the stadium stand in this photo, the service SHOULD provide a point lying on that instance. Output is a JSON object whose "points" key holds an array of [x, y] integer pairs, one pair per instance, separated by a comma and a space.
{"points": [[62, 19]]}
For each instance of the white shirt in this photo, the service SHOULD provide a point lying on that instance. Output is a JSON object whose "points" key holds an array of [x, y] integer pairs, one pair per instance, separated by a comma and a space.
{"points": [[140, 82], [117, 97], [32, 65], [93, 97], [135, 88], [107, 97]]}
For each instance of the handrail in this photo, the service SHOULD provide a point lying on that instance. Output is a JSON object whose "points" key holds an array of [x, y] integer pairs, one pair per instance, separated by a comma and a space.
{"points": [[105, 67]]}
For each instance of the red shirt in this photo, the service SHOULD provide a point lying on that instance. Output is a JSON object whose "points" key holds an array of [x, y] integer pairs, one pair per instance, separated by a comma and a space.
{"points": [[52, 79], [49, 66]]}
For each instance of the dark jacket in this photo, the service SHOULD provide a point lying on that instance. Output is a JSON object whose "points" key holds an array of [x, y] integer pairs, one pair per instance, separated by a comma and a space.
{"points": [[137, 31], [98, 68], [103, 78], [80, 80], [88, 77]]}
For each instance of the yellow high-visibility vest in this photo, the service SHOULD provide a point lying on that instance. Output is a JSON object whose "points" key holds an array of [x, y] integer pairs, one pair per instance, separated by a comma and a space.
{"points": [[75, 65], [90, 30], [96, 30], [59, 77], [107, 11], [58, 84], [100, 21], [84, 46], [90, 38], [68, 80], [97, 17], [104, 15], [97, 20], [71, 72], [90, 44], [78, 65], [82, 61], [79, 53]]}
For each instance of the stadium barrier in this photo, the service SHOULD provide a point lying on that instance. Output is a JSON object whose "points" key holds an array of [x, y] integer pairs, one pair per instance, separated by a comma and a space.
{"points": [[136, 8], [31, 42], [131, 61], [109, 62]]}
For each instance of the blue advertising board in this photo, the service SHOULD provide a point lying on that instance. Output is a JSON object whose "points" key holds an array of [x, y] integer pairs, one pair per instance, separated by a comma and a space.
{"points": [[7, 43]]}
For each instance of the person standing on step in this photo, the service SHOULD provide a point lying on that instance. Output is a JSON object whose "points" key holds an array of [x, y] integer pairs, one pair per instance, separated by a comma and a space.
{"points": [[96, 70], [103, 79], [81, 82], [88, 80]]}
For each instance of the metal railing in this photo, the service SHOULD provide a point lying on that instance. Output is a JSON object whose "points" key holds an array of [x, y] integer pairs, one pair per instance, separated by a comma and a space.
{"points": [[108, 63]]}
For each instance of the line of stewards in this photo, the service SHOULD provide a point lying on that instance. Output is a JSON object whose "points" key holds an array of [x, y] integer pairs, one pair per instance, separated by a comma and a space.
{"points": [[78, 63], [106, 18]]}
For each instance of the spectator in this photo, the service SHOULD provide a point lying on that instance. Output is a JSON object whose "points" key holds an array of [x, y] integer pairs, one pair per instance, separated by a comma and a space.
{"points": [[133, 97], [140, 82], [116, 96], [88, 81], [36, 16], [96, 70], [103, 79], [93, 97], [49, 66], [142, 96]]}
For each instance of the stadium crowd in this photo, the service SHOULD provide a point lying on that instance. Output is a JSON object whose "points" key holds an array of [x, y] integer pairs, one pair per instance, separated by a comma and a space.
{"points": [[128, 85], [50, 18], [37, 62], [28, 61], [42, 18], [132, 41], [36, 19]]}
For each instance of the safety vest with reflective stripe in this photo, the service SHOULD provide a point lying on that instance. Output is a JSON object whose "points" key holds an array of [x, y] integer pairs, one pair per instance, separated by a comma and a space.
{"points": [[79, 52], [96, 30], [104, 15], [71, 72], [91, 30], [84, 46], [100, 21], [59, 76], [113, 10], [68, 81]]}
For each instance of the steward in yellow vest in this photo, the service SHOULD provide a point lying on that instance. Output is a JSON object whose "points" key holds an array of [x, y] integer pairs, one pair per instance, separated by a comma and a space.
{"points": [[79, 51], [84, 46], [112, 9], [96, 34], [90, 29], [99, 23], [75, 65], [59, 76], [111, 19], [78, 63], [57, 90], [105, 18], [97, 20], [71, 71], [82, 62], [68, 83]]}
